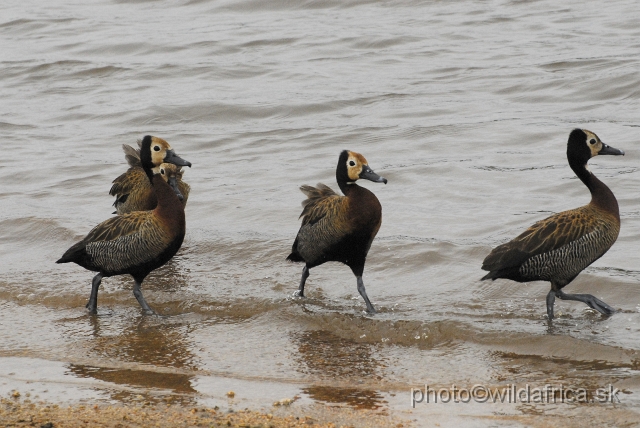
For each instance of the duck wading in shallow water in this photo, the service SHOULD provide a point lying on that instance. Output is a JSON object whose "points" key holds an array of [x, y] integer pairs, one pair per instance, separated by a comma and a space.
{"points": [[134, 191], [558, 248], [339, 228], [138, 242]]}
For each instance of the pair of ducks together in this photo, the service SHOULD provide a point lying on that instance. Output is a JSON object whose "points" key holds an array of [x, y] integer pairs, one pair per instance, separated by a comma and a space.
{"points": [[342, 228]]}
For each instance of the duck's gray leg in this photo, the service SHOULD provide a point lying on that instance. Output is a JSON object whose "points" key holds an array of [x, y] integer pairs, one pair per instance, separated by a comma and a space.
{"points": [[92, 304], [305, 275], [363, 293], [551, 298], [137, 291]]}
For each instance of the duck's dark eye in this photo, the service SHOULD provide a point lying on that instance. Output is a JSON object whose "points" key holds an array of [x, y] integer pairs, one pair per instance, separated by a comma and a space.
{"points": [[352, 163], [592, 141], [156, 148], [162, 171]]}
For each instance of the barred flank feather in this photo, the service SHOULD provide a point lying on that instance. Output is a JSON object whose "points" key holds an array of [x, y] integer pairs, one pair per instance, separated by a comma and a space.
{"points": [[132, 249], [122, 242], [556, 248], [568, 261]]}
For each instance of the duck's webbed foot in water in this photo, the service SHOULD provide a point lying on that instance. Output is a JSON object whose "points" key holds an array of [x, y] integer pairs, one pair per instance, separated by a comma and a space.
{"points": [[305, 275], [92, 304], [363, 293], [590, 300], [138, 293]]}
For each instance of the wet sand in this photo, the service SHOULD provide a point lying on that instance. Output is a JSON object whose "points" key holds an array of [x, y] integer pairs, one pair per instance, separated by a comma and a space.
{"points": [[17, 412], [35, 395]]}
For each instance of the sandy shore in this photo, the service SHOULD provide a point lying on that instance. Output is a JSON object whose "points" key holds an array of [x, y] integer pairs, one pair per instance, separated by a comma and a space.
{"points": [[16, 412]]}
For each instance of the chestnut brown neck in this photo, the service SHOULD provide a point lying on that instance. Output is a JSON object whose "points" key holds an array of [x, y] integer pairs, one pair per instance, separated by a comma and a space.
{"points": [[169, 208], [350, 190], [364, 207], [601, 196]]}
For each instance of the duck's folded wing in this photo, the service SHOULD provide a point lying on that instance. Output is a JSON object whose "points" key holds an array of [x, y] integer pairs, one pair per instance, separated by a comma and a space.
{"points": [[544, 236], [128, 240], [324, 223], [125, 183], [321, 201], [119, 226]]}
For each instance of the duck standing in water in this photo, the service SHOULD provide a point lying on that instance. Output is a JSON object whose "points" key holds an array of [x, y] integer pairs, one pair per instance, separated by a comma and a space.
{"points": [[558, 248], [134, 191], [138, 242], [339, 228]]}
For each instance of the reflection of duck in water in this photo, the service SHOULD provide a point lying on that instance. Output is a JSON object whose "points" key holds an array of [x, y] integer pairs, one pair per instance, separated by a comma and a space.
{"points": [[139, 242], [558, 248], [142, 345], [358, 398], [326, 356]]}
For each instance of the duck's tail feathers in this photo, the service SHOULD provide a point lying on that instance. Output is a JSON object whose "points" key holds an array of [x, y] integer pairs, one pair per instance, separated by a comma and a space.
{"points": [[490, 275], [131, 155], [73, 253]]}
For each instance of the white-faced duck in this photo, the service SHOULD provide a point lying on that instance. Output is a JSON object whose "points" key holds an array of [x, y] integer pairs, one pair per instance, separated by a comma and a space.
{"points": [[558, 248], [138, 242], [133, 190], [339, 228]]}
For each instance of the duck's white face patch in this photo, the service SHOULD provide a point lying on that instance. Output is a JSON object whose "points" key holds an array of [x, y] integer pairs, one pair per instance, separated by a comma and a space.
{"points": [[593, 142], [355, 162], [167, 171], [159, 148]]}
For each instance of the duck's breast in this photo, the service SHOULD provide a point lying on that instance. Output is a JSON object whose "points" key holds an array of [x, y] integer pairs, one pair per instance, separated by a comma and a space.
{"points": [[364, 212]]}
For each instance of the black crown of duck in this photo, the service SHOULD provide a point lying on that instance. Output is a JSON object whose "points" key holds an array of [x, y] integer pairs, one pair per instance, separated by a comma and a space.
{"points": [[558, 248], [339, 228], [133, 190], [138, 242]]}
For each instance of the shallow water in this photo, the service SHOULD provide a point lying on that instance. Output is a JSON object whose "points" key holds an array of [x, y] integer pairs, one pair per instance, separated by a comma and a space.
{"points": [[465, 107]]}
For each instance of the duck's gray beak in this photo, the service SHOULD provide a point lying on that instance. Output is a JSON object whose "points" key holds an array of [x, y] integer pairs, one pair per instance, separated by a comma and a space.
{"points": [[173, 182], [608, 150], [368, 174], [172, 157]]}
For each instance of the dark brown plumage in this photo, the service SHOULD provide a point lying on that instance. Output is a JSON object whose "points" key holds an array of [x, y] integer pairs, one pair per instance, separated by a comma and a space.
{"points": [[138, 242], [558, 248], [133, 190], [339, 228]]}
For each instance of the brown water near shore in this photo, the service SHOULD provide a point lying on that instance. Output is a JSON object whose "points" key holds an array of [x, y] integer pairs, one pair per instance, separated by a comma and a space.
{"points": [[464, 107]]}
